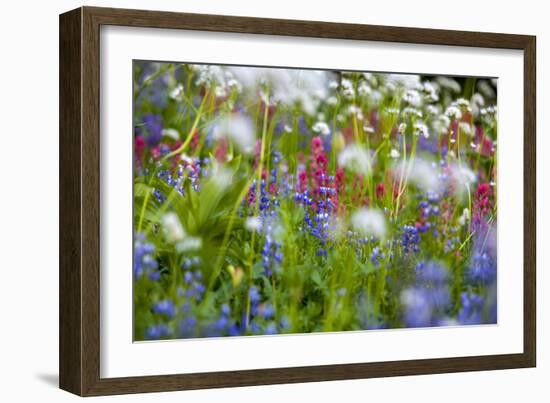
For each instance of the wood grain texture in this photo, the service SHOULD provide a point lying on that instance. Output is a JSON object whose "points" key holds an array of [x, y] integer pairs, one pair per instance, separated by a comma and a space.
{"points": [[80, 196], [70, 251]]}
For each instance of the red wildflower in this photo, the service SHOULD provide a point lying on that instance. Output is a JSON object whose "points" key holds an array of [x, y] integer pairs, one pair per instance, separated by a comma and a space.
{"points": [[155, 152], [486, 143], [220, 152], [139, 147], [380, 190]]}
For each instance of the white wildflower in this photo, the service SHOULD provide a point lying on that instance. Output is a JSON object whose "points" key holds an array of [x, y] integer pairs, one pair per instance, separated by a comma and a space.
{"points": [[465, 217], [407, 81], [431, 91], [364, 89], [368, 129], [368, 76], [477, 103], [486, 89], [420, 129], [421, 173], [368, 221], [347, 90], [333, 85], [412, 97], [264, 96], [376, 97], [449, 83], [286, 86], [172, 133], [322, 128], [353, 109], [356, 159], [222, 176], [189, 244], [462, 103], [466, 128], [253, 224], [441, 124], [402, 128], [391, 111], [453, 112], [463, 178], [433, 110], [177, 93], [220, 92], [332, 100], [394, 153], [173, 230], [234, 84], [239, 130], [410, 112]]}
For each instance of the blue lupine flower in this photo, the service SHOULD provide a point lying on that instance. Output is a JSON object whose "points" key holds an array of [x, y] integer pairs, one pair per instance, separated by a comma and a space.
{"points": [[271, 328], [472, 306], [254, 295], [188, 327], [483, 268], [194, 287], [368, 317], [226, 310], [156, 332], [431, 273], [284, 323], [427, 300], [302, 125], [153, 124], [376, 256], [418, 309], [410, 238], [267, 311], [165, 307], [143, 258]]}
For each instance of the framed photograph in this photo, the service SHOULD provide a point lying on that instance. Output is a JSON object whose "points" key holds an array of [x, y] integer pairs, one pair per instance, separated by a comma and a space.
{"points": [[249, 201]]}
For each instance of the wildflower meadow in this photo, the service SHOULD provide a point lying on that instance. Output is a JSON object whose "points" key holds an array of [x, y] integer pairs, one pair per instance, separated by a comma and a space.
{"points": [[271, 201]]}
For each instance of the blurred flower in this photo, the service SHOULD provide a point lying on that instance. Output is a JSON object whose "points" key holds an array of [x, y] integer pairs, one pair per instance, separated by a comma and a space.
{"points": [[253, 223], [153, 125], [407, 81], [239, 130], [369, 222], [463, 179], [177, 93], [157, 332], [173, 230], [356, 159], [189, 244], [449, 83], [394, 153], [172, 133], [465, 217], [422, 173]]}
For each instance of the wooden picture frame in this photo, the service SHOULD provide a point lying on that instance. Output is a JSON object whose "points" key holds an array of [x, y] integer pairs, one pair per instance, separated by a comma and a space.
{"points": [[79, 346]]}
